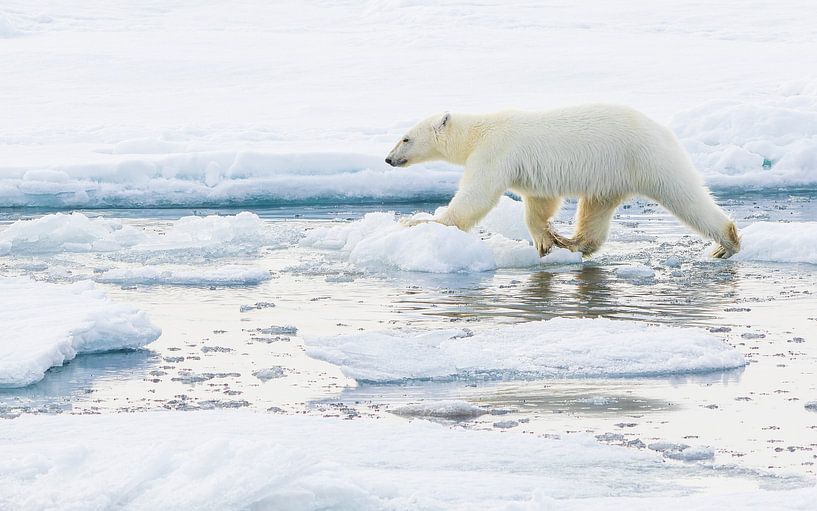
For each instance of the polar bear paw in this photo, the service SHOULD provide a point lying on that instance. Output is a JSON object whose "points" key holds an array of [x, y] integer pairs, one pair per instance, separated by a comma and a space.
{"points": [[411, 222]]}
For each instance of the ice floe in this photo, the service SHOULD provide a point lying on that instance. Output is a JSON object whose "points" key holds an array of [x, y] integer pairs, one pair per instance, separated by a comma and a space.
{"points": [[782, 242], [556, 348], [635, 272], [228, 275], [379, 242], [243, 460], [188, 239], [45, 325]]}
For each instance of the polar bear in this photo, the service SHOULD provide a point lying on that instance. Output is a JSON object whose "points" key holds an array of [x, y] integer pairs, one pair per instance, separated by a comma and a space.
{"points": [[601, 153]]}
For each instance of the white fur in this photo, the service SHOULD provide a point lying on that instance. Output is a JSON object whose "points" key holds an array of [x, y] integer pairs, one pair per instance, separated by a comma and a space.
{"points": [[600, 153]]}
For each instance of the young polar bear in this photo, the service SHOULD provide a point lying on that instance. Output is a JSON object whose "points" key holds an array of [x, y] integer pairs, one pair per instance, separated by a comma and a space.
{"points": [[600, 153]]}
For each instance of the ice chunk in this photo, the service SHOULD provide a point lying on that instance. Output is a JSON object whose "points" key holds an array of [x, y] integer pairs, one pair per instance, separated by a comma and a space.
{"points": [[451, 409], [794, 242], [229, 275], [635, 272], [379, 242], [556, 348], [62, 232], [47, 324], [270, 373]]}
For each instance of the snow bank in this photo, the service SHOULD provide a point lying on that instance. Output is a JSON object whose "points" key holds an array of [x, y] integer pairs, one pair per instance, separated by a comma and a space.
{"points": [[186, 239], [378, 241], [196, 179], [794, 242], [555, 348], [45, 325], [229, 275], [241, 460], [770, 141]]}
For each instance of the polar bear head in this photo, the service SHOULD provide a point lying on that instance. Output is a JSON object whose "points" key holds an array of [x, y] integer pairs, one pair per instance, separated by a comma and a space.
{"points": [[421, 143]]}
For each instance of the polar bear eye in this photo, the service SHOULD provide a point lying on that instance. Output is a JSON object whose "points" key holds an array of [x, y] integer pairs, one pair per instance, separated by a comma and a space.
{"points": [[406, 139]]}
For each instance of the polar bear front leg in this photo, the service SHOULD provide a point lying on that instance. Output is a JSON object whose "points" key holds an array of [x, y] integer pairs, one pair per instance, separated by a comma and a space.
{"points": [[538, 212], [470, 204]]}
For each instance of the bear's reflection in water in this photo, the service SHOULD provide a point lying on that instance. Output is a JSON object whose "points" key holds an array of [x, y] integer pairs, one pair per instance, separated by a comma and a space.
{"points": [[588, 292]]}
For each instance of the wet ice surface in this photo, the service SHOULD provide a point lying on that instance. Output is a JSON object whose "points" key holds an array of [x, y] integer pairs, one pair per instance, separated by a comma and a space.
{"points": [[242, 346]]}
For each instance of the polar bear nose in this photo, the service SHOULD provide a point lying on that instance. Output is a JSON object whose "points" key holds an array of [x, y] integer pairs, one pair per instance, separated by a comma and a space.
{"points": [[389, 161]]}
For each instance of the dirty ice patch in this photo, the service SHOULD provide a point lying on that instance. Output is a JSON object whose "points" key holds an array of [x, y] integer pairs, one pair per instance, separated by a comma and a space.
{"points": [[244, 460], [228, 275], [45, 325], [556, 348], [60, 232], [794, 242], [766, 142], [448, 409], [378, 241]]}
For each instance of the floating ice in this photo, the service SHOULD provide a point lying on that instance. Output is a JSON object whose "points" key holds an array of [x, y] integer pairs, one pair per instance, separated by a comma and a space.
{"points": [[451, 409], [555, 348], [45, 325], [635, 272], [270, 373], [378, 241], [794, 242], [62, 232], [229, 275], [242, 460], [191, 238]]}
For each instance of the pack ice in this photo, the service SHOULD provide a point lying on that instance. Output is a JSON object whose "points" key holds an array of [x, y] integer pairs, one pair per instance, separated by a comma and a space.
{"points": [[45, 325], [558, 347], [779, 242]]}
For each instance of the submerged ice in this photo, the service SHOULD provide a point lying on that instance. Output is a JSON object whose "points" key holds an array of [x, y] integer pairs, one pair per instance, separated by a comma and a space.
{"points": [[555, 348]]}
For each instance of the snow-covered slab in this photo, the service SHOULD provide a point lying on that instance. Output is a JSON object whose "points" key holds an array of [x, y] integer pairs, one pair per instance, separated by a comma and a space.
{"points": [[231, 460], [555, 348], [190, 238], [380, 242], [44, 325], [228, 275], [794, 242]]}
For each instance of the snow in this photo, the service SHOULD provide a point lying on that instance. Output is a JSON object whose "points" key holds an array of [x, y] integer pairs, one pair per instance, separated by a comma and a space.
{"points": [[228, 275], [764, 143], [132, 125], [242, 460], [46, 325], [449, 409], [556, 348], [189, 239], [779, 242], [379, 241]]}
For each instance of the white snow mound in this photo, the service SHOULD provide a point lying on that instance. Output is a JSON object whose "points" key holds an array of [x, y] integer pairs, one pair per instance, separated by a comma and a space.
{"points": [[378, 241], [794, 242], [556, 348], [45, 325]]}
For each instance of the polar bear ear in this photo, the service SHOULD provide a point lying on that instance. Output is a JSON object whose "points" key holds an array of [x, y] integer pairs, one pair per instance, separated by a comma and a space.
{"points": [[443, 122]]}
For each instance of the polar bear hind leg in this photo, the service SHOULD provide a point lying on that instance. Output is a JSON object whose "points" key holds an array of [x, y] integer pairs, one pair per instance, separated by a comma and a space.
{"points": [[538, 212], [592, 224], [696, 208]]}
